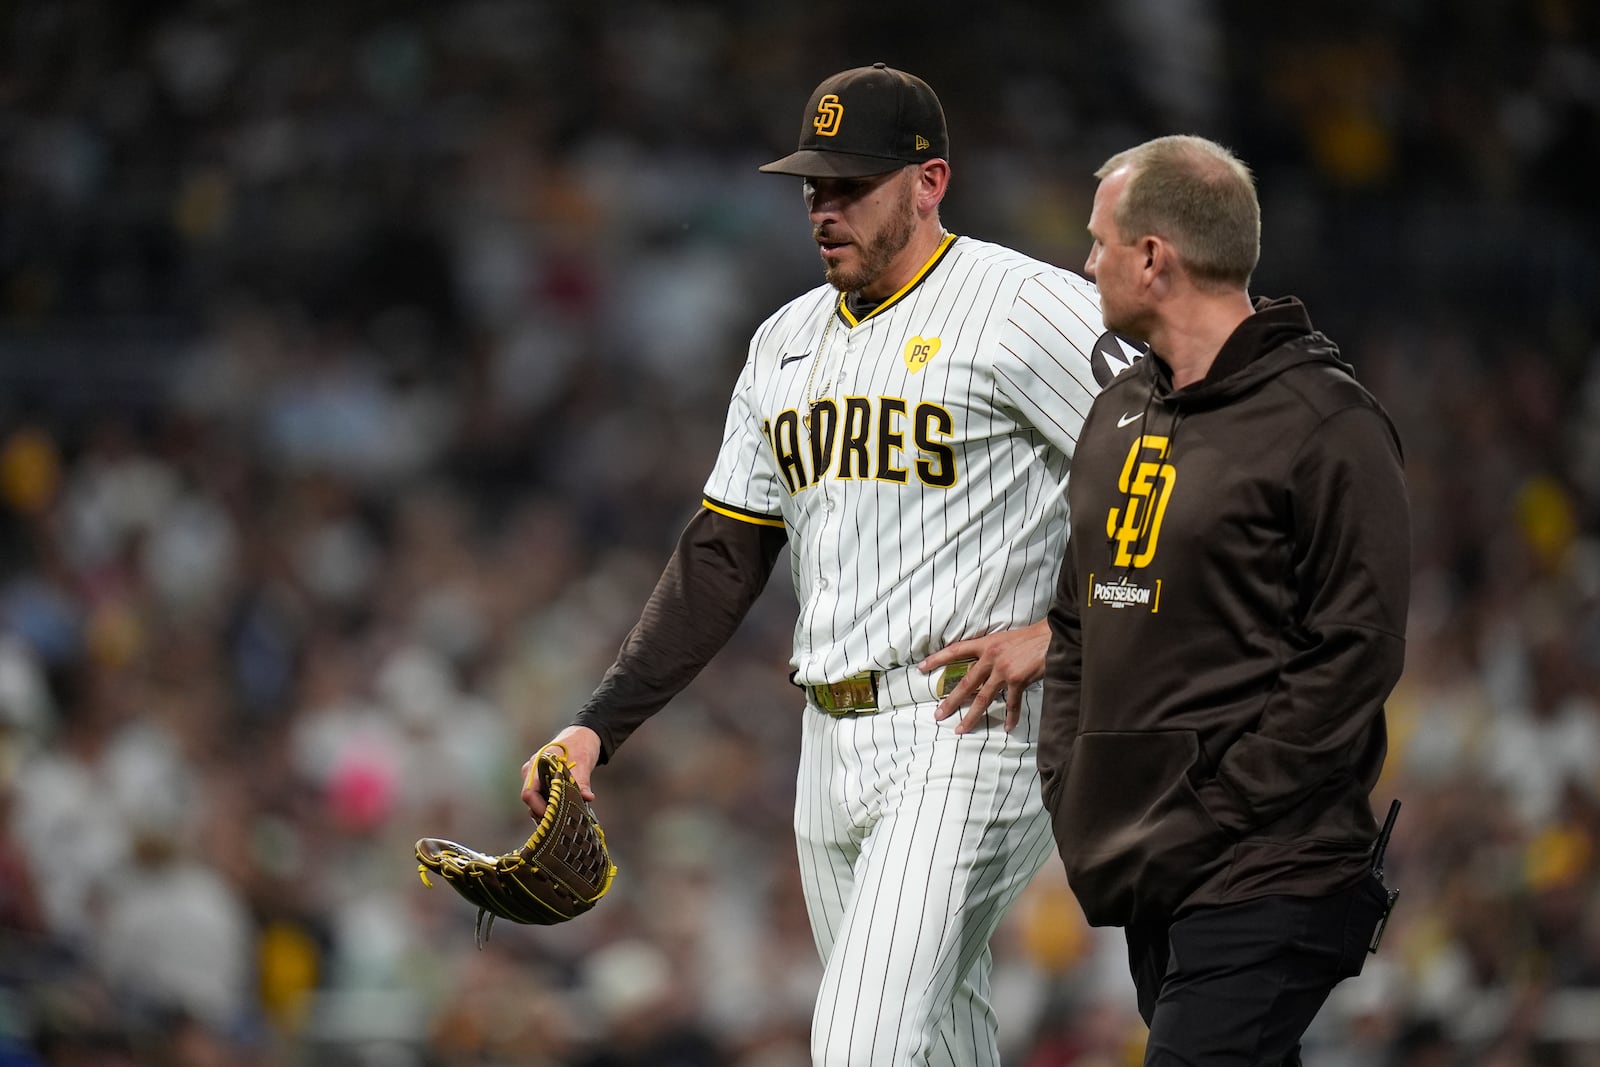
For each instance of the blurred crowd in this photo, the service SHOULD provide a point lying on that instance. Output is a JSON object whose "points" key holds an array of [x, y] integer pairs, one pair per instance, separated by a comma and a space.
{"points": [[360, 364]]}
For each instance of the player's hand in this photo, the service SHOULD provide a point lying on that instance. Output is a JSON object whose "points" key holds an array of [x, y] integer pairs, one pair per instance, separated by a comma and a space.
{"points": [[583, 749], [1007, 662]]}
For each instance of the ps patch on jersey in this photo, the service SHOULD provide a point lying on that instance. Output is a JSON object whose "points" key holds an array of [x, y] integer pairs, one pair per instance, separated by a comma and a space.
{"points": [[919, 351]]}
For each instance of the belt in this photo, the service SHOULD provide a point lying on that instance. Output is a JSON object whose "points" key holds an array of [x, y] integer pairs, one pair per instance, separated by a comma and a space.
{"points": [[859, 693]]}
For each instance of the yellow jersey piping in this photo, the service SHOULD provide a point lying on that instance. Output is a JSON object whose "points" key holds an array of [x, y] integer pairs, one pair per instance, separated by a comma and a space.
{"points": [[916, 280], [743, 516]]}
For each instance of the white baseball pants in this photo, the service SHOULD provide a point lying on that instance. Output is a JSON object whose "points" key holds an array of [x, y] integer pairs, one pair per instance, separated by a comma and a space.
{"points": [[913, 841]]}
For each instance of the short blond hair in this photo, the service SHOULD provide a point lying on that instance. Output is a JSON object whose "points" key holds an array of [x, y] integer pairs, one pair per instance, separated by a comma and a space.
{"points": [[1197, 195]]}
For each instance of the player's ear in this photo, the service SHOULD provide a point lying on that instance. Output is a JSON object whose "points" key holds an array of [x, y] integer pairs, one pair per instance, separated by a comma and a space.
{"points": [[933, 178]]}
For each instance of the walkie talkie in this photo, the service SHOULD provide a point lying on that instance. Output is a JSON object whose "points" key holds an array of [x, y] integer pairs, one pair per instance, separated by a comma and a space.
{"points": [[1379, 847]]}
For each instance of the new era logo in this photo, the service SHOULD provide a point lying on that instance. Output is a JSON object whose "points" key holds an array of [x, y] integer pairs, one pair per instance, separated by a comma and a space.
{"points": [[922, 143]]}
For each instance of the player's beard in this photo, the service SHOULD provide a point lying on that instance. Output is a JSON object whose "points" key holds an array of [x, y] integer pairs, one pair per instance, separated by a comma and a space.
{"points": [[879, 252]]}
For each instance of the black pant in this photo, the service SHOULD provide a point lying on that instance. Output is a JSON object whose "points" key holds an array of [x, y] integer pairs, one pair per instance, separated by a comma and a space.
{"points": [[1237, 986]]}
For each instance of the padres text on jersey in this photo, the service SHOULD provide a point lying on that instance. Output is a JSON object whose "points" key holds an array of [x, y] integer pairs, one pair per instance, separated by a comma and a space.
{"points": [[959, 399]]}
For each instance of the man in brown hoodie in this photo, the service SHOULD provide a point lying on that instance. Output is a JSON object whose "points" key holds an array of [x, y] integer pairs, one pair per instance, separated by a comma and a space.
{"points": [[1228, 622]]}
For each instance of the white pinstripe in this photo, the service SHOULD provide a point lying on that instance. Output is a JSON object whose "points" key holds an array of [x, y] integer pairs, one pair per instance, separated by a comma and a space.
{"points": [[913, 840]]}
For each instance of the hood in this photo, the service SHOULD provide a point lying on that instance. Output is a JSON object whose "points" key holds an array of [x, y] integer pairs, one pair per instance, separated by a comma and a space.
{"points": [[1278, 336]]}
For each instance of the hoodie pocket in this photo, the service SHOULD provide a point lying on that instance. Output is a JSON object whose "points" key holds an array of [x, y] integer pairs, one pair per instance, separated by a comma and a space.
{"points": [[1133, 834]]}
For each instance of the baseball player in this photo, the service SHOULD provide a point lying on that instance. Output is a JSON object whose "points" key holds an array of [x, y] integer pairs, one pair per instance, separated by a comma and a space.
{"points": [[906, 429]]}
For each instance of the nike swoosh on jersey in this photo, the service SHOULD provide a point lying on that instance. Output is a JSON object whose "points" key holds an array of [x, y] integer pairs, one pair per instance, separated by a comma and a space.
{"points": [[786, 360], [1126, 419]]}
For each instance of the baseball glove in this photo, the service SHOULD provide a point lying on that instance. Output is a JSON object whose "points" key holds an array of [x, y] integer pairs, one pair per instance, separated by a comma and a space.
{"points": [[559, 873]]}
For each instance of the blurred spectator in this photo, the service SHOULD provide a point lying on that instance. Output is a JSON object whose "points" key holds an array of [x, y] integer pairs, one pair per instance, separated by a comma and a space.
{"points": [[176, 937], [642, 1014]]}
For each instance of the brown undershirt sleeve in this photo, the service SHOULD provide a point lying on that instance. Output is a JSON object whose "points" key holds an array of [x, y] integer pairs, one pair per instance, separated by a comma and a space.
{"points": [[717, 571]]}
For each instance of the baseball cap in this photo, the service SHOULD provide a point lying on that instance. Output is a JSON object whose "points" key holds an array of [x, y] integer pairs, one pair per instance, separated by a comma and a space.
{"points": [[866, 121]]}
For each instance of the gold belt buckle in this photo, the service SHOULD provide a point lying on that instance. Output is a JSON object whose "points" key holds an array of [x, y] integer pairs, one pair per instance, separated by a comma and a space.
{"points": [[857, 693], [954, 671]]}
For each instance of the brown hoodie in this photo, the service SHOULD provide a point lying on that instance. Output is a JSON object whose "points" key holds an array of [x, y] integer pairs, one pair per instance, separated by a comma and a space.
{"points": [[1229, 620]]}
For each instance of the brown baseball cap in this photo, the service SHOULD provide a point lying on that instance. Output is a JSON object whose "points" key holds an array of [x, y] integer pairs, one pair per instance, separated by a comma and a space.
{"points": [[866, 121]]}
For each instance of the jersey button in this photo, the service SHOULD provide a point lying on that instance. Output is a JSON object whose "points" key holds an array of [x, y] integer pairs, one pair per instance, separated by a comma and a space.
{"points": [[822, 583]]}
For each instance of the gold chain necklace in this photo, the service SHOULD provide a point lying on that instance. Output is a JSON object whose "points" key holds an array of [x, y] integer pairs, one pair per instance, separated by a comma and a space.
{"points": [[812, 398]]}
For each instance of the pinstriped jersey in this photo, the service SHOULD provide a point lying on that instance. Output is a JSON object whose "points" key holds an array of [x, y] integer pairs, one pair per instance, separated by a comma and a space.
{"points": [[917, 456]]}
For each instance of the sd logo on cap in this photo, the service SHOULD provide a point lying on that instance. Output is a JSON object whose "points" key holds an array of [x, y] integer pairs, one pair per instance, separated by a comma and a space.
{"points": [[866, 121]]}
